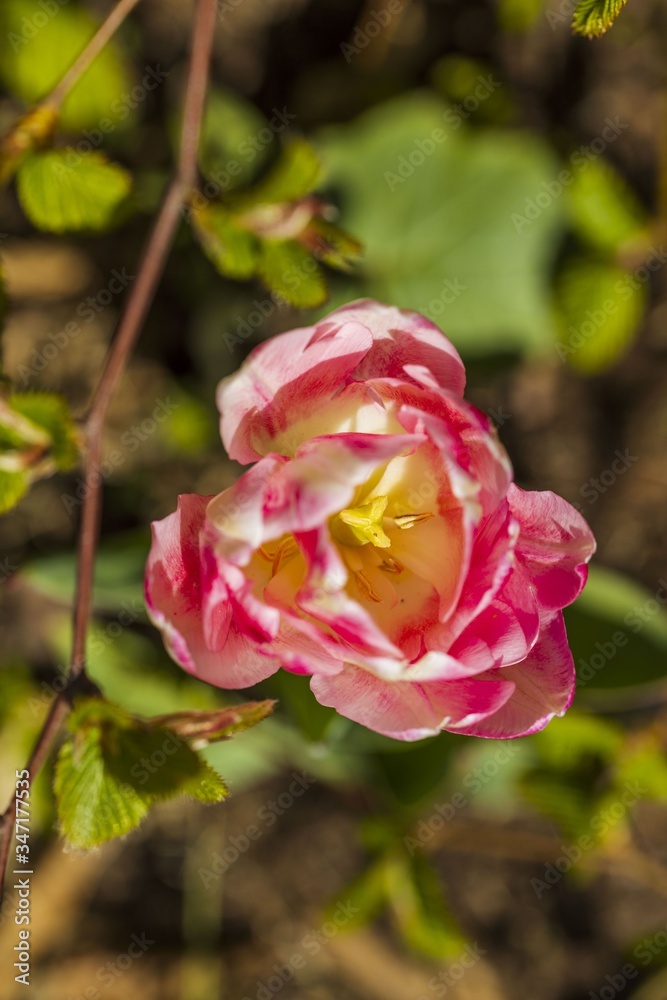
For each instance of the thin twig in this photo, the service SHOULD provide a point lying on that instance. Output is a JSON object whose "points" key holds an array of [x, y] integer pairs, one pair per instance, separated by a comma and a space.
{"points": [[101, 37], [136, 309]]}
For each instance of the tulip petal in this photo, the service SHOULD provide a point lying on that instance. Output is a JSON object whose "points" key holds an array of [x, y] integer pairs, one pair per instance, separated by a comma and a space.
{"points": [[554, 545]]}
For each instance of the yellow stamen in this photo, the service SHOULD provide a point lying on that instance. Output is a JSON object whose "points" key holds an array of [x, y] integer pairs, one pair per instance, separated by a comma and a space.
{"points": [[410, 520], [366, 587], [361, 525], [286, 549], [391, 565]]}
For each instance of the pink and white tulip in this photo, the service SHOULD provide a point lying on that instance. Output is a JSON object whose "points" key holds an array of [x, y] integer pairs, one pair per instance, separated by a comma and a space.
{"points": [[377, 544]]}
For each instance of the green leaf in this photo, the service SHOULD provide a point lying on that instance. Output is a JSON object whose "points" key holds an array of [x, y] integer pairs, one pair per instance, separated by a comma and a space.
{"points": [[36, 50], [221, 724], [599, 307], [114, 768], [231, 248], [295, 695], [617, 631], [419, 908], [366, 894], [290, 271], [593, 17], [295, 175], [51, 413], [441, 211], [645, 765], [13, 487], [60, 193], [568, 740], [332, 245], [603, 209], [229, 150]]}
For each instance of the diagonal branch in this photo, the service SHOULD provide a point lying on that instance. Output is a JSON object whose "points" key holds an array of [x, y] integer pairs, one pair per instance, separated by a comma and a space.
{"points": [[136, 309]]}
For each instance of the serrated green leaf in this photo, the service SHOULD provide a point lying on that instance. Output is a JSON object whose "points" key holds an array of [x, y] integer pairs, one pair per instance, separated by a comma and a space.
{"points": [[286, 268], [115, 767], [598, 307], [60, 193], [36, 50], [593, 17], [603, 209], [231, 248], [295, 175], [50, 413], [13, 486]]}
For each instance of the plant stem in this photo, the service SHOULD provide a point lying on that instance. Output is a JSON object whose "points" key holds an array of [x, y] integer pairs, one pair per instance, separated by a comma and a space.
{"points": [[102, 36], [136, 309]]}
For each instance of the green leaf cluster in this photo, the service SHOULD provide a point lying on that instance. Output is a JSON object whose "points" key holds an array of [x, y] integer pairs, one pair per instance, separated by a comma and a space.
{"points": [[114, 767], [601, 289], [37, 438], [275, 231]]}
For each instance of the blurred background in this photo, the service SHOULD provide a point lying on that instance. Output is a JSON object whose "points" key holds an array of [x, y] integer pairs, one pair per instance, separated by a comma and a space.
{"points": [[509, 180]]}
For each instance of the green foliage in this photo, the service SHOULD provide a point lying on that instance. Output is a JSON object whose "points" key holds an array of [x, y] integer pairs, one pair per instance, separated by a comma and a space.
{"points": [[448, 236], [34, 58], [50, 413], [114, 768], [598, 307], [276, 231], [517, 15], [604, 212], [14, 485], [37, 438], [311, 718], [294, 176], [290, 271], [620, 623], [593, 17], [62, 191], [231, 248], [419, 908], [119, 572], [230, 125], [566, 804], [221, 724]]}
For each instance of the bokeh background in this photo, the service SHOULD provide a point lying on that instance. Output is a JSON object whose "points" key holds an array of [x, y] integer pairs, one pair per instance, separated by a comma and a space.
{"points": [[344, 865]]}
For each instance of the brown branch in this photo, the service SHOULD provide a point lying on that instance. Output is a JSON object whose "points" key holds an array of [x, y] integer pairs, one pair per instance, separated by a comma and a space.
{"points": [[136, 309], [102, 36]]}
